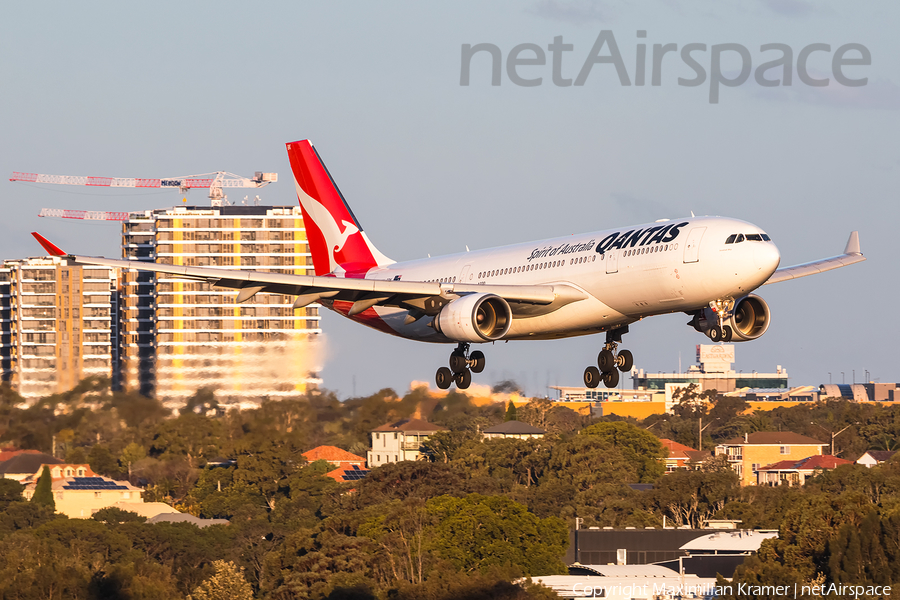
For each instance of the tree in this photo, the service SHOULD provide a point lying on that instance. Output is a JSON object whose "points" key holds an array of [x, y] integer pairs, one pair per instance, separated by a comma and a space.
{"points": [[637, 445], [228, 583], [510, 412], [43, 491], [132, 453], [478, 532], [10, 491]]}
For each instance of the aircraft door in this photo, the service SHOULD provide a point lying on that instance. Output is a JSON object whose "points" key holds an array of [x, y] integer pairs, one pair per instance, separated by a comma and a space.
{"points": [[464, 274], [692, 246], [612, 261]]}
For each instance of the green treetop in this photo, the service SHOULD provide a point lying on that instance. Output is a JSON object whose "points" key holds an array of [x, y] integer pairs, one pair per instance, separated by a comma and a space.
{"points": [[43, 491]]}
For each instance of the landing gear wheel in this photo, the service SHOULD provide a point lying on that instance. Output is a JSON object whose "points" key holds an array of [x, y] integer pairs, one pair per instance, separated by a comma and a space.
{"points": [[464, 379], [443, 378], [592, 377], [716, 334], [624, 361], [611, 378], [606, 361], [477, 361], [458, 362], [727, 333]]}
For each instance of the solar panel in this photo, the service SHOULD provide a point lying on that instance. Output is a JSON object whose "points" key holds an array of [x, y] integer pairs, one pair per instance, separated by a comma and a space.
{"points": [[93, 483], [355, 475]]}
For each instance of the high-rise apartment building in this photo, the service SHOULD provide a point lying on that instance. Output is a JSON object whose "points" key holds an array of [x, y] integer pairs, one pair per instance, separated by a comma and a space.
{"points": [[56, 324], [179, 336]]}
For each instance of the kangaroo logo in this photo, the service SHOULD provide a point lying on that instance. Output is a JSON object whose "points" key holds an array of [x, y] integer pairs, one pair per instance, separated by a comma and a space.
{"points": [[327, 224]]}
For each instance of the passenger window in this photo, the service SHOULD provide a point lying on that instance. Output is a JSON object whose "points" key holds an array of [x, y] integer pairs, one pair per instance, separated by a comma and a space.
{"points": [[731, 238]]}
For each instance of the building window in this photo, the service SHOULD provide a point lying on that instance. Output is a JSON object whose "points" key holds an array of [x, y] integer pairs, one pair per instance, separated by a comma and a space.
{"points": [[377, 436], [377, 458], [69, 472], [395, 435], [756, 466], [98, 494], [785, 449], [81, 472]]}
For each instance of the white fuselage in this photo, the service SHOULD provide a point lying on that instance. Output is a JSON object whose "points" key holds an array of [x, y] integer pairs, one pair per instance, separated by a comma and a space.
{"points": [[656, 268]]}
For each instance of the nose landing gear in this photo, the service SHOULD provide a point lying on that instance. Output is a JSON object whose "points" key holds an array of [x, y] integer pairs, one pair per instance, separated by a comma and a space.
{"points": [[462, 365], [610, 362]]}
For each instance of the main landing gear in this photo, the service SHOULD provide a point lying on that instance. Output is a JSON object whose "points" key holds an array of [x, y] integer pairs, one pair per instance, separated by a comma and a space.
{"points": [[462, 365], [609, 361]]}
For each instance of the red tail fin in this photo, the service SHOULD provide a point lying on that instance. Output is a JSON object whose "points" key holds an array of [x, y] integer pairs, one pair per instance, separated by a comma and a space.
{"points": [[336, 239]]}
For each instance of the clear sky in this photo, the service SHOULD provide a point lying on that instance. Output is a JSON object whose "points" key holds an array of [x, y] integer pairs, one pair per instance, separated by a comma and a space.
{"points": [[430, 166]]}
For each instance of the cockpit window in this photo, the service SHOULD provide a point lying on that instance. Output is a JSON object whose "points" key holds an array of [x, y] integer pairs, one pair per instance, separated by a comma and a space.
{"points": [[754, 237], [766, 238], [731, 238], [740, 238]]}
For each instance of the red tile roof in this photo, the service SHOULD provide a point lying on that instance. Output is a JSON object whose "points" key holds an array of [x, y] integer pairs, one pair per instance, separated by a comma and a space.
{"points": [[338, 474], [676, 450], [9, 452], [819, 461], [332, 454]]}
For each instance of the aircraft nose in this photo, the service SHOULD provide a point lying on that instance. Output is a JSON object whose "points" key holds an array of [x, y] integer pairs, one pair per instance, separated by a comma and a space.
{"points": [[767, 257]]}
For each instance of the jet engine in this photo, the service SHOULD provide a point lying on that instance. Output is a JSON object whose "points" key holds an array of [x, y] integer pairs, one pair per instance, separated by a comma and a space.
{"points": [[749, 319], [474, 318]]}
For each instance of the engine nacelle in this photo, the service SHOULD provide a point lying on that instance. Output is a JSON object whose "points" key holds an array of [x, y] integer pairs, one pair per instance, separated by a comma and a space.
{"points": [[475, 318], [749, 320]]}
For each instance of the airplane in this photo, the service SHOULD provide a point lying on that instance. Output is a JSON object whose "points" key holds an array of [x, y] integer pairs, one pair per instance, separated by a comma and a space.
{"points": [[599, 282]]}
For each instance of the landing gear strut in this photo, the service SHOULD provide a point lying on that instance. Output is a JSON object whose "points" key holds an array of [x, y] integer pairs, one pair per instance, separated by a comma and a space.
{"points": [[723, 311], [462, 365], [610, 362]]}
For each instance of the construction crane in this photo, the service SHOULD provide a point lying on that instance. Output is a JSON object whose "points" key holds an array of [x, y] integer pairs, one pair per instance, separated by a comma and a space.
{"points": [[216, 182]]}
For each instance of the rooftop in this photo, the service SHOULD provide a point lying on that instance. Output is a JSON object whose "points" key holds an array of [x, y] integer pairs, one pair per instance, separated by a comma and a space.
{"points": [[27, 463], [820, 461], [515, 427], [773, 438], [332, 454], [881, 455], [410, 425], [740, 540]]}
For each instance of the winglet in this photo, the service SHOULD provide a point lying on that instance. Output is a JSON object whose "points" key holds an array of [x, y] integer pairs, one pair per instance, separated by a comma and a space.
{"points": [[853, 244], [51, 248]]}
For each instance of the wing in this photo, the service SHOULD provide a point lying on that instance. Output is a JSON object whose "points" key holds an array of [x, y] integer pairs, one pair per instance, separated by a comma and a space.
{"points": [[419, 297], [851, 255]]}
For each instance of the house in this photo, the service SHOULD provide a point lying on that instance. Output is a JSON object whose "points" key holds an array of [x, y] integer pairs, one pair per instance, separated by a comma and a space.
{"points": [[7, 452], [875, 457], [796, 472], [350, 467], [23, 464], [342, 474], [79, 492], [749, 453], [678, 455], [335, 456], [512, 429], [400, 440]]}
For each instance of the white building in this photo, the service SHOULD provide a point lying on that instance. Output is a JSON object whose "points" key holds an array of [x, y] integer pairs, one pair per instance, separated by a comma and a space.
{"points": [[56, 324], [400, 440]]}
